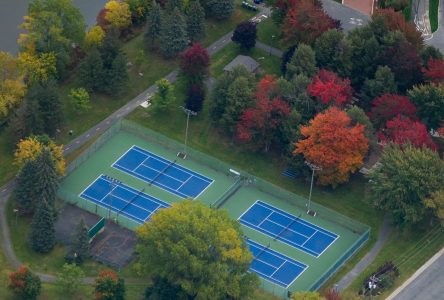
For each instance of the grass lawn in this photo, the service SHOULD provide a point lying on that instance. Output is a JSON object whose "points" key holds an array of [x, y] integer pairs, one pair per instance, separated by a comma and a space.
{"points": [[268, 64], [265, 32], [433, 14]]}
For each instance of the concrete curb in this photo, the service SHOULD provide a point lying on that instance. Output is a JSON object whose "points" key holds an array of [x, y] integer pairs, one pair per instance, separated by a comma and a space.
{"points": [[416, 274]]}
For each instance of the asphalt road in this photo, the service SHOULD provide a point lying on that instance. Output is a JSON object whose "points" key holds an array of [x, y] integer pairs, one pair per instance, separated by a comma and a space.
{"points": [[438, 36]]}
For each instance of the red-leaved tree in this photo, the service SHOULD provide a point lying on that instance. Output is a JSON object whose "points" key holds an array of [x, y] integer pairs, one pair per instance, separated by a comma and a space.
{"points": [[434, 71], [401, 130], [108, 286], [258, 125], [388, 106], [24, 284], [305, 21], [194, 63], [334, 144], [330, 89]]}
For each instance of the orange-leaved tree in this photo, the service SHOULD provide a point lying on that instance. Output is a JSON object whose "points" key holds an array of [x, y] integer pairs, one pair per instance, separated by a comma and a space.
{"points": [[332, 143]]}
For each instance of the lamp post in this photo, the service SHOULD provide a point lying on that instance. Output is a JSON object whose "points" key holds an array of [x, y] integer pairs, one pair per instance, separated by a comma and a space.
{"points": [[113, 183], [272, 44], [313, 168], [192, 113], [15, 210]]}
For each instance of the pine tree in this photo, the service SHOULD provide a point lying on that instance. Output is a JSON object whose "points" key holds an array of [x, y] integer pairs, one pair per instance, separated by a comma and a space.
{"points": [[79, 249], [303, 62], [154, 26], [117, 77], [219, 9], [173, 4], [50, 107], [173, 35], [25, 188], [91, 71], [110, 48], [196, 22], [42, 235], [47, 179]]}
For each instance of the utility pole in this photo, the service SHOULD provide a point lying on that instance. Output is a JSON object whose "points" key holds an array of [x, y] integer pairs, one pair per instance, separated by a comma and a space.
{"points": [[313, 168], [189, 113]]}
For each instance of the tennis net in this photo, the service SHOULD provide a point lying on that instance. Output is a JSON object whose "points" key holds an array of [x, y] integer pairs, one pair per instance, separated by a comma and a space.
{"points": [[131, 201], [228, 193], [161, 172], [286, 228]]}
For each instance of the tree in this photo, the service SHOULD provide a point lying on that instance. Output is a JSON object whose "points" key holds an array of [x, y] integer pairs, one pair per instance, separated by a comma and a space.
{"points": [[79, 249], [178, 251], [295, 93], [91, 71], [110, 48], [108, 286], [303, 62], [388, 106], [154, 25], [47, 179], [403, 130], [435, 202], [172, 4], [286, 57], [12, 87], [161, 288], [383, 83], [53, 26], [94, 37], [117, 76], [80, 99], [405, 177], [306, 296], [24, 284], [429, 52], [358, 116], [333, 144], [259, 124], [195, 98], [194, 63], [196, 22], [173, 34], [330, 89], [434, 71], [429, 99], [305, 21], [164, 95], [245, 35], [139, 10], [38, 68], [42, 234], [25, 188], [218, 9], [118, 14], [70, 278]]}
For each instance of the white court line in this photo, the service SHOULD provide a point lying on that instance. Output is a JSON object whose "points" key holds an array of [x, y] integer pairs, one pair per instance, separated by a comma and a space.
{"points": [[120, 157], [298, 233], [265, 219]]}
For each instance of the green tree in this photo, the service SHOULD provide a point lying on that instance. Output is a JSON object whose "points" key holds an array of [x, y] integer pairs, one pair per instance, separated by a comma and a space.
{"points": [[383, 83], [429, 100], [303, 62], [405, 177], [161, 288], [358, 116], [47, 179], [154, 25], [42, 235], [173, 34], [196, 22], [12, 87], [174, 246], [24, 284], [117, 76], [25, 188], [435, 202], [79, 249], [91, 71], [70, 278], [111, 47], [164, 95], [219, 9], [173, 4], [108, 286], [79, 99], [294, 91]]}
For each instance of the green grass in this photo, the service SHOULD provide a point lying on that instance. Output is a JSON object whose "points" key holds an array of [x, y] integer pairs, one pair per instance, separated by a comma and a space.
{"points": [[268, 64], [433, 14], [265, 32], [7, 169], [407, 12]]}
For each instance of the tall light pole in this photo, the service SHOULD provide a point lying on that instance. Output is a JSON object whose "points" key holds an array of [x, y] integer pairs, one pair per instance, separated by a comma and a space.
{"points": [[113, 183], [15, 210], [313, 168], [189, 113], [272, 44]]}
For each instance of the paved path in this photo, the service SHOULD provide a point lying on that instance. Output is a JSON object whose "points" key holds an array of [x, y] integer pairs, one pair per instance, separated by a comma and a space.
{"points": [[420, 15], [368, 258], [426, 284], [350, 18], [269, 49]]}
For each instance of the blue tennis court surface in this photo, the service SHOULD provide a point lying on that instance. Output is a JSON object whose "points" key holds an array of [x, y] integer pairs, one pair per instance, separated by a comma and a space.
{"points": [[163, 173], [123, 199], [274, 266], [287, 228]]}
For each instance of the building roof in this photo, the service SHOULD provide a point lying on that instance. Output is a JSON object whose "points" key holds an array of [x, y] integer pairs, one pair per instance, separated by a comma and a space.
{"points": [[364, 6], [243, 60]]}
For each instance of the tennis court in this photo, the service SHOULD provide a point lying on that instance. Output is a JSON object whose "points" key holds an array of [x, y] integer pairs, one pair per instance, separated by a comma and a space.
{"points": [[163, 173], [122, 199], [274, 266], [287, 228]]}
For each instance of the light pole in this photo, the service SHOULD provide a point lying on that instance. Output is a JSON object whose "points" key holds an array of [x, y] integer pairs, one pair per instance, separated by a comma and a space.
{"points": [[313, 168], [272, 44], [15, 210], [192, 113], [113, 183]]}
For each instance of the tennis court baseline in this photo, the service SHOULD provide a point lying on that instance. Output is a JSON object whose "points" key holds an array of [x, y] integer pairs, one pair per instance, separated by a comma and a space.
{"points": [[274, 266], [287, 228], [122, 199], [163, 173]]}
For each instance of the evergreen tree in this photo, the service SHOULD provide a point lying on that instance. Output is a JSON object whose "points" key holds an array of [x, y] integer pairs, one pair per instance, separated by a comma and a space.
{"points": [[32, 120], [117, 77], [219, 9], [173, 4], [79, 249], [196, 22], [110, 48], [303, 62], [50, 107], [286, 57], [154, 26], [173, 34], [91, 71], [25, 188], [47, 179], [383, 83], [42, 235]]}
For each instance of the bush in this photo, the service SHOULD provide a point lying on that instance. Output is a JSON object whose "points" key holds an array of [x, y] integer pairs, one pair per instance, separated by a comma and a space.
{"points": [[24, 284]]}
